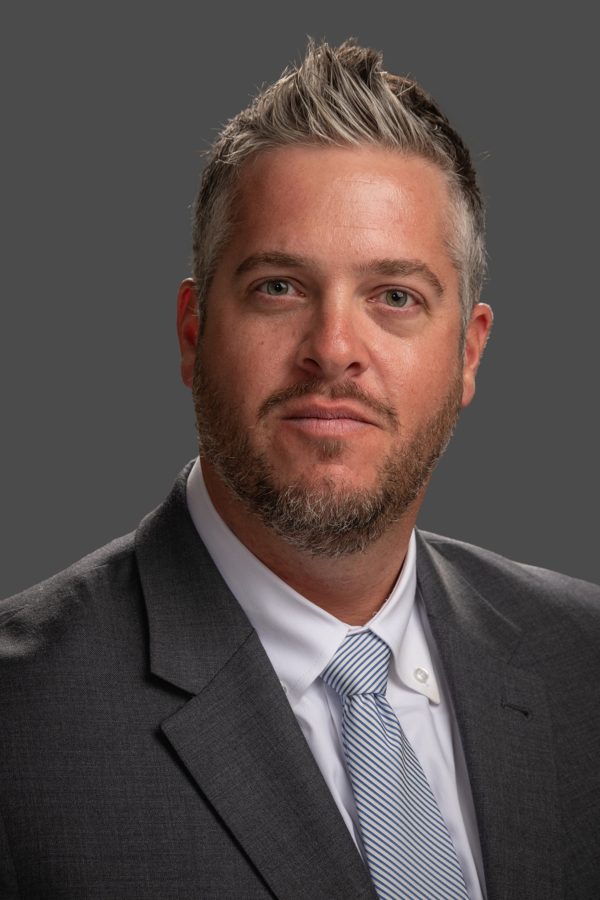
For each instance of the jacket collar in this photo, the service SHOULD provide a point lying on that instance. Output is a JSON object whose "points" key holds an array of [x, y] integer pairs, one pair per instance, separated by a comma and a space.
{"points": [[195, 625]]}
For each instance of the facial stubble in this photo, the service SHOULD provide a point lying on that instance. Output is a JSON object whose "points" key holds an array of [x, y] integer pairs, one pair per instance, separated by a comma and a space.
{"points": [[325, 519]]}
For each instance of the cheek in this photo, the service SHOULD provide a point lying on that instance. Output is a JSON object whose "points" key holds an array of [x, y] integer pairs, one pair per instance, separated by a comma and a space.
{"points": [[248, 369], [419, 368], [419, 378]]}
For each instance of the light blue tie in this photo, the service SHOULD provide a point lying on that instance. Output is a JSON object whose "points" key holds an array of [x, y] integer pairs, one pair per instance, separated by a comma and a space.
{"points": [[409, 851]]}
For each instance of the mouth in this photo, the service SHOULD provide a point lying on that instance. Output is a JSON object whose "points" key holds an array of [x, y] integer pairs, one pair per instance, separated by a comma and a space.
{"points": [[329, 420]]}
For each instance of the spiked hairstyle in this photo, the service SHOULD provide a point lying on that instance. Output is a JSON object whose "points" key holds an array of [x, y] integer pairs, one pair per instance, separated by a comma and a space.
{"points": [[341, 97]]}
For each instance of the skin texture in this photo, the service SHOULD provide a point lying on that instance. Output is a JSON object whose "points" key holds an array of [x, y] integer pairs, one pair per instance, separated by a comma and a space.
{"points": [[331, 349]]}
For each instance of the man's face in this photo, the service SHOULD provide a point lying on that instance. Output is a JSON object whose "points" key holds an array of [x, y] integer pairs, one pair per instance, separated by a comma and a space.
{"points": [[328, 376]]}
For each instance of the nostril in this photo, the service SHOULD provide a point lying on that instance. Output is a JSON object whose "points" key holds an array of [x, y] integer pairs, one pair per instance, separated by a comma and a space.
{"points": [[332, 358]]}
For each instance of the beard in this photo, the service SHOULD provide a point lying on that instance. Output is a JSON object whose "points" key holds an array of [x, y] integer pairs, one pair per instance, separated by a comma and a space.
{"points": [[324, 519]]}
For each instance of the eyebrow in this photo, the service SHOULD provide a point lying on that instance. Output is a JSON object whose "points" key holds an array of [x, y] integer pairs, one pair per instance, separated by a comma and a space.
{"points": [[274, 258], [391, 268]]}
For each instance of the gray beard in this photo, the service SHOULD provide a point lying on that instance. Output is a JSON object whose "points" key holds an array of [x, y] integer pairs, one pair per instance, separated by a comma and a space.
{"points": [[325, 520]]}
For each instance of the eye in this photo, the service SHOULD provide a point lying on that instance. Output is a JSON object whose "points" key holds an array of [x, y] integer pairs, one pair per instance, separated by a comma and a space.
{"points": [[398, 299], [275, 287]]}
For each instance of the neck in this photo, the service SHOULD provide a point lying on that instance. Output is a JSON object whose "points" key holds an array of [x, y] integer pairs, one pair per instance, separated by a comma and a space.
{"points": [[352, 587]]}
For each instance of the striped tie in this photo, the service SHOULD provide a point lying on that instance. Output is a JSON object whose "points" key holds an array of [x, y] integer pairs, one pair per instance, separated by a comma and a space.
{"points": [[409, 851]]}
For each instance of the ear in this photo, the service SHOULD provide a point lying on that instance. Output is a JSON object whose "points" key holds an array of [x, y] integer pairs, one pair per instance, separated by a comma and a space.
{"points": [[478, 332], [188, 326]]}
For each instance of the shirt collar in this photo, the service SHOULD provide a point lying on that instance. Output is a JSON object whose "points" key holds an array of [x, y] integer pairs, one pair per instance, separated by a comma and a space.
{"points": [[298, 636]]}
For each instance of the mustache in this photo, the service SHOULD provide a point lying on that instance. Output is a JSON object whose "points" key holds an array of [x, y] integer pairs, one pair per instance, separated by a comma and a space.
{"points": [[347, 390]]}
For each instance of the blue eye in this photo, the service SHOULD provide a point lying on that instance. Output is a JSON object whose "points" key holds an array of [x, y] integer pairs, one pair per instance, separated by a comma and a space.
{"points": [[276, 287], [397, 298]]}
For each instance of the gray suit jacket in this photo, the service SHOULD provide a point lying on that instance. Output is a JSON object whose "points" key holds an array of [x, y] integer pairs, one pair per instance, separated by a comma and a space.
{"points": [[148, 750]]}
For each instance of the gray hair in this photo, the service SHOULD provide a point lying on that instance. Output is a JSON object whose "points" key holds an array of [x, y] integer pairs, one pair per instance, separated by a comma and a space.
{"points": [[341, 97]]}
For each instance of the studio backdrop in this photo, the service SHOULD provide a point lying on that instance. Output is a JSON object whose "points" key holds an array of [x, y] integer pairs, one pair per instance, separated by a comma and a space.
{"points": [[108, 109]]}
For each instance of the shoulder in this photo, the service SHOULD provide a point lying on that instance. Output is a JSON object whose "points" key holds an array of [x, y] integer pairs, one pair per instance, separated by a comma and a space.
{"points": [[519, 590], [478, 563], [97, 604], [83, 594]]}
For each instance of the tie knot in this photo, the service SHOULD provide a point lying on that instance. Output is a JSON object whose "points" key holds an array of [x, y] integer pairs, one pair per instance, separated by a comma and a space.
{"points": [[359, 666]]}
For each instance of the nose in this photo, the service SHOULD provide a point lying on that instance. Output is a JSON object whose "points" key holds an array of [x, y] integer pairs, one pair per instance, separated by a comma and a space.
{"points": [[332, 347]]}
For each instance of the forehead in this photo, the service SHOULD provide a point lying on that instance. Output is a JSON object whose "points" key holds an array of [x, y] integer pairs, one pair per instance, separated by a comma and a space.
{"points": [[335, 201]]}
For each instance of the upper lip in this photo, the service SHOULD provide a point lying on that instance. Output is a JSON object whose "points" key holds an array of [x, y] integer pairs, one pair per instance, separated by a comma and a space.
{"points": [[312, 410]]}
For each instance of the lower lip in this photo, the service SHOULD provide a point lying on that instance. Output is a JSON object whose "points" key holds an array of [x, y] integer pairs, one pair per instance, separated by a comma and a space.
{"points": [[328, 427]]}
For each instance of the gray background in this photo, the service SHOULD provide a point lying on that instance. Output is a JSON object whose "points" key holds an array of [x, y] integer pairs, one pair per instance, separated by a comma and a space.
{"points": [[108, 108]]}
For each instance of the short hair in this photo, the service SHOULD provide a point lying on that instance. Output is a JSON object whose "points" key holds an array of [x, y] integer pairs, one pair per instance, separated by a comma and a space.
{"points": [[341, 96]]}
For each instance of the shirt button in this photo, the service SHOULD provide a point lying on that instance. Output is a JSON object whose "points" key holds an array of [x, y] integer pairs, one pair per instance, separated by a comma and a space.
{"points": [[421, 675], [284, 686]]}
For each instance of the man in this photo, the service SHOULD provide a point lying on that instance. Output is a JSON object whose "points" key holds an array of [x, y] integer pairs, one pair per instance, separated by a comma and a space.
{"points": [[276, 687]]}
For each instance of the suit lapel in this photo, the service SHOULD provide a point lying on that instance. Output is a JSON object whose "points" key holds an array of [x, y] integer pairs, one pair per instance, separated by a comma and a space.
{"points": [[237, 735], [241, 743], [504, 723]]}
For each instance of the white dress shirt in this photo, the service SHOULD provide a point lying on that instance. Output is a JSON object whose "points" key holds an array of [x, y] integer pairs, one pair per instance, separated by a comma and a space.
{"points": [[300, 638]]}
